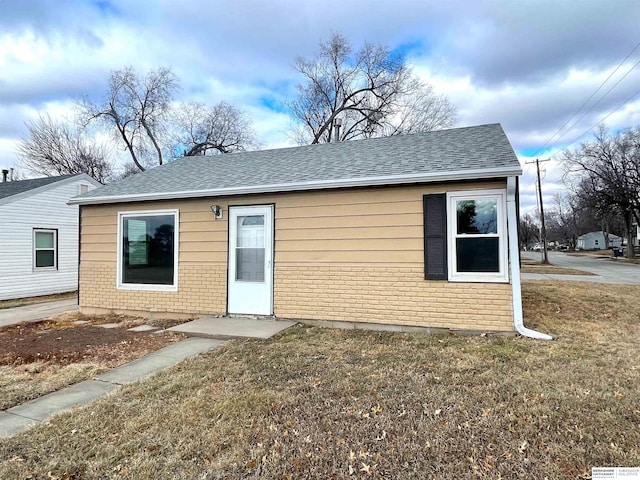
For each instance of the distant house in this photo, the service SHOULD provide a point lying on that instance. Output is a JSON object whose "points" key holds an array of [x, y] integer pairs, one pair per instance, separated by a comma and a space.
{"points": [[596, 241], [416, 231], [39, 235]]}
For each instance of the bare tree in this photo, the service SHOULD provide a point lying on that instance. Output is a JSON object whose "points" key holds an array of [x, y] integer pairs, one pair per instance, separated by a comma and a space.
{"points": [[528, 230], [136, 110], [372, 91], [562, 218], [202, 130], [606, 175], [56, 148]]}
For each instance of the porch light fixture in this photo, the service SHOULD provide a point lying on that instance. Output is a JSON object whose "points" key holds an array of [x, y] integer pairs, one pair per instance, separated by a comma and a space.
{"points": [[217, 211]]}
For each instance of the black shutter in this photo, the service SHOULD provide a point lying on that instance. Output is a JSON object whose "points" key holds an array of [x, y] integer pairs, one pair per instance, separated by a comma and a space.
{"points": [[435, 236]]}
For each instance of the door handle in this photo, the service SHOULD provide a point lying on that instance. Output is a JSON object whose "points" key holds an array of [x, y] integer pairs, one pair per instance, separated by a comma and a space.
{"points": [[268, 264]]}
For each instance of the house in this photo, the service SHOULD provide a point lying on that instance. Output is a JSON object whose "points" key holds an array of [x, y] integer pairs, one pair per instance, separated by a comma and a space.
{"points": [[39, 235], [408, 231], [596, 241]]}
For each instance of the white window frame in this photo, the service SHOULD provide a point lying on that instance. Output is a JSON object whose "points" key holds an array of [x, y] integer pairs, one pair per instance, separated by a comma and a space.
{"points": [[55, 248], [120, 285], [502, 276]]}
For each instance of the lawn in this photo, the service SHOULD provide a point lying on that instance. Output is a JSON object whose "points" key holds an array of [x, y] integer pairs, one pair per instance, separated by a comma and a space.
{"points": [[42, 357], [533, 266], [321, 403]]}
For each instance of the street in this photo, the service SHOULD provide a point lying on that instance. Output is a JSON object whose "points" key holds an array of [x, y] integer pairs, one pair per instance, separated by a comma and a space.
{"points": [[606, 269]]}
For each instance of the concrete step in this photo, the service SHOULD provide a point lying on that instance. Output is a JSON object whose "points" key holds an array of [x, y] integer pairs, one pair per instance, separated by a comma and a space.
{"points": [[233, 327]]}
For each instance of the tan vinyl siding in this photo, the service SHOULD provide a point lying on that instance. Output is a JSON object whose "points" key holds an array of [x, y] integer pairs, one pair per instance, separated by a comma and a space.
{"points": [[353, 255]]}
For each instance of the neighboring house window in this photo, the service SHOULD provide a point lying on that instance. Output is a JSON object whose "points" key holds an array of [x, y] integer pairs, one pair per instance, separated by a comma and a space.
{"points": [[84, 189], [465, 236], [148, 250], [45, 248]]}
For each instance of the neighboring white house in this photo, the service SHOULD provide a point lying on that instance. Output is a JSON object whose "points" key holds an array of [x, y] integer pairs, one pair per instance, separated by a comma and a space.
{"points": [[39, 235], [596, 241]]}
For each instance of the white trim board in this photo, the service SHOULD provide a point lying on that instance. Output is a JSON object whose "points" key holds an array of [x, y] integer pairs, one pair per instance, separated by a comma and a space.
{"points": [[503, 257], [176, 242]]}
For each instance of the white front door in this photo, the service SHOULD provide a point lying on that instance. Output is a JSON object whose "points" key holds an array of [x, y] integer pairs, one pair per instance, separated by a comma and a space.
{"points": [[251, 260]]}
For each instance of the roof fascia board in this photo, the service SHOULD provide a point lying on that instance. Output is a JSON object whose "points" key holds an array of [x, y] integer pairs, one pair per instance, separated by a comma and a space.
{"points": [[312, 185], [48, 186]]}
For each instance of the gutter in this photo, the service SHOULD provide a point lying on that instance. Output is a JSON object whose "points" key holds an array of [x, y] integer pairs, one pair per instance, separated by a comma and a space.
{"points": [[475, 174], [512, 225]]}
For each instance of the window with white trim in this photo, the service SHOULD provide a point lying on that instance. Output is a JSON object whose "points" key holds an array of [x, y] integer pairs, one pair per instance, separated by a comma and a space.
{"points": [[45, 249], [465, 236], [148, 250], [477, 238]]}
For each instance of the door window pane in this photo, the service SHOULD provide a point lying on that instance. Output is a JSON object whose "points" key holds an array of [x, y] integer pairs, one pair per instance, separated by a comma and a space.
{"points": [[250, 251], [251, 231], [250, 264]]}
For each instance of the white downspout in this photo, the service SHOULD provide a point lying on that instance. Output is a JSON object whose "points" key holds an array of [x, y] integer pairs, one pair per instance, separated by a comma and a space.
{"points": [[512, 225]]}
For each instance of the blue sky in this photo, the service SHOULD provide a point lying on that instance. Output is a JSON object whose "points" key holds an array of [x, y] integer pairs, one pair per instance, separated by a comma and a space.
{"points": [[528, 65]]}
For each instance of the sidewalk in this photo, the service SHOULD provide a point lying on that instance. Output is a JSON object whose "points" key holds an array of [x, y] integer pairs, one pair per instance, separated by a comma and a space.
{"points": [[21, 417], [36, 311]]}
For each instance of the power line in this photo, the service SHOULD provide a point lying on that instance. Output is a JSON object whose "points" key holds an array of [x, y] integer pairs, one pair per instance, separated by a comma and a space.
{"points": [[598, 102], [604, 118], [588, 99]]}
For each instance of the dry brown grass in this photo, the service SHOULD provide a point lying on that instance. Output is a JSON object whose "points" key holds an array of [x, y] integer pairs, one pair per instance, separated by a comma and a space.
{"points": [[533, 266], [18, 302], [634, 260], [36, 358], [604, 254], [319, 403], [19, 383]]}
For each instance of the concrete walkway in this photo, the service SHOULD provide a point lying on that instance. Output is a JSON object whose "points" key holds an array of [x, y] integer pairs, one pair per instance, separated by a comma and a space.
{"points": [[36, 311], [20, 417]]}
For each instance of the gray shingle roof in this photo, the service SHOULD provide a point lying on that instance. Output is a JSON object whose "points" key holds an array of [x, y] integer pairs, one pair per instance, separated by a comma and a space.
{"points": [[8, 189], [464, 151]]}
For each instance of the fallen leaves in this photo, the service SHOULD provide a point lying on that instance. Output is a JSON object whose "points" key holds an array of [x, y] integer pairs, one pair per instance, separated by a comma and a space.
{"points": [[403, 417], [523, 446]]}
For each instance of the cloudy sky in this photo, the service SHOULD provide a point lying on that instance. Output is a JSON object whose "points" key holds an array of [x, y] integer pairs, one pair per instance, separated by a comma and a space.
{"points": [[526, 64]]}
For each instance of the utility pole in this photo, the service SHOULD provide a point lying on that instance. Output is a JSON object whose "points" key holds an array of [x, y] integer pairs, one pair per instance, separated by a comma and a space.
{"points": [[543, 230]]}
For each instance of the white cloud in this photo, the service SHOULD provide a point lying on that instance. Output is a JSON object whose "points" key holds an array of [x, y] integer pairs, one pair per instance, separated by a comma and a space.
{"points": [[527, 65]]}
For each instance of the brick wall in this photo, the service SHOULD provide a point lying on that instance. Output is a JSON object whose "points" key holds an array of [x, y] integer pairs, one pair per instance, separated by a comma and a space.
{"points": [[201, 290], [390, 295]]}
